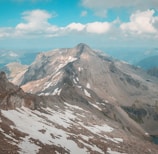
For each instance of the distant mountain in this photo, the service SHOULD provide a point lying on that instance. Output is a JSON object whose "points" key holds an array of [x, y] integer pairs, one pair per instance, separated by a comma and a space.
{"points": [[153, 71], [84, 102], [149, 62], [132, 55], [7, 57], [28, 58], [13, 70], [25, 58]]}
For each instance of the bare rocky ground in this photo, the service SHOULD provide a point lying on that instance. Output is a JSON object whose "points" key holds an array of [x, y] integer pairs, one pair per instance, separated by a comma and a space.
{"points": [[81, 102]]}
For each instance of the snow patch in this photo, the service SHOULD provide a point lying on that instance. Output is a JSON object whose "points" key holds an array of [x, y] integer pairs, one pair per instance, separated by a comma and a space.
{"points": [[26, 147], [97, 107], [115, 140], [109, 151], [47, 85], [47, 94], [88, 86], [99, 129], [80, 69], [92, 147], [57, 91], [71, 59], [79, 87], [87, 93], [147, 134], [96, 129], [75, 81], [73, 106], [30, 122]]}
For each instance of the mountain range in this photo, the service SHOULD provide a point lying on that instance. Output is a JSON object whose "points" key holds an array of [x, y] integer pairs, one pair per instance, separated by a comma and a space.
{"points": [[78, 100]]}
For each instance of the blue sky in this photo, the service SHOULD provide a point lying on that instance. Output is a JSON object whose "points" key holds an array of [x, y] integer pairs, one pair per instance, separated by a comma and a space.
{"points": [[103, 24]]}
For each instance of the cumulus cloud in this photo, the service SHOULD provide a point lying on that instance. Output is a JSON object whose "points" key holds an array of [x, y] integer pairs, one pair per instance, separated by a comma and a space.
{"points": [[6, 32], [141, 22], [98, 27], [76, 26], [36, 21], [103, 5], [93, 27]]}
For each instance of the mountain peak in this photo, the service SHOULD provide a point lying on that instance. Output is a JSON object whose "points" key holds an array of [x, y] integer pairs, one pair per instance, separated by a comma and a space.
{"points": [[82, 46]]}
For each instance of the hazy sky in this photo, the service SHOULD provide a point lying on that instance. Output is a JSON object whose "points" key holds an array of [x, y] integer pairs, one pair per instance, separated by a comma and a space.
{"points": [[64, 23]]}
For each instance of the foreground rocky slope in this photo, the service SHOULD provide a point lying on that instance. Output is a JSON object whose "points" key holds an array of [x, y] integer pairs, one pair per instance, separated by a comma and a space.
{"points": [[82, 102]]}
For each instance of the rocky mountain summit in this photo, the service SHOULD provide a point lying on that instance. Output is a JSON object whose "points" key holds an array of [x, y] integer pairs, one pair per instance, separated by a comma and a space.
{"points": [[82, 101]]}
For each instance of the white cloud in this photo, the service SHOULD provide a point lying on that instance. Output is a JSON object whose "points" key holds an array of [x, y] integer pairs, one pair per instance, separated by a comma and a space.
{"points": [[103, 5], [98, 27], [36, 21], [99, 4], [76, 26], [141, 22], [84, 13], [6, 32], [94, 27]]}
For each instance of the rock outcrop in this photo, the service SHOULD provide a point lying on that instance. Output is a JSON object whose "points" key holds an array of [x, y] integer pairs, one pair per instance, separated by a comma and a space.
{"points": [[12, 96]]}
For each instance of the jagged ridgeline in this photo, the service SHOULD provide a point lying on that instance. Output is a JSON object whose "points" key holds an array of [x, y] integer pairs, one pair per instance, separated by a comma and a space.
{"points": [[79, 100]]}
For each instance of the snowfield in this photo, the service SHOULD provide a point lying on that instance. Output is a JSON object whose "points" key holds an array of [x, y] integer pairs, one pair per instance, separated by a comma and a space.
{"points": [[55, 127]]}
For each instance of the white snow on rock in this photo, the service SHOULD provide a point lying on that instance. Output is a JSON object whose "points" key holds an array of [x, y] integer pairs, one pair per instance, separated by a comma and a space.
{"points": [[47, 85], [97, 107], [73, 106], [51, 127], [88, 85], [109, 151], [115, 140], [80, 69], [71, 59], [31, 122], [87, 93], [47, 94], [93, 147], [28, 148], [99, 129], [57, 91], [118, 139], [96, 129], [75, 81]]}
